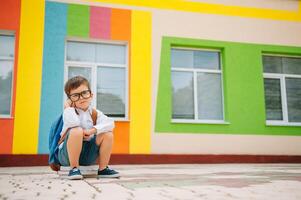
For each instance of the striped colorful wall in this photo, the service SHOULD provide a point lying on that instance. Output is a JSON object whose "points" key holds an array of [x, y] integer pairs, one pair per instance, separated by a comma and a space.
{"points": [[63, 21], [41, 78], [149, 28]]}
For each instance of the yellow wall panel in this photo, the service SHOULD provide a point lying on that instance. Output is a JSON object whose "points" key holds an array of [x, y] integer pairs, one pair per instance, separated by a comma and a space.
{"points": [[140, 84], [29, 74], [210, 8]]}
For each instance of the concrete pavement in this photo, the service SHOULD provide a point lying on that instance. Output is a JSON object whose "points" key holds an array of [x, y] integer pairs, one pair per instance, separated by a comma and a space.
{"points": [[157, 182]]}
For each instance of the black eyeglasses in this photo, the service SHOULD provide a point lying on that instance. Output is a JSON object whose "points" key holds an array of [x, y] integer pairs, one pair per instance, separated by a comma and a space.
{"points": [[76, 96]]}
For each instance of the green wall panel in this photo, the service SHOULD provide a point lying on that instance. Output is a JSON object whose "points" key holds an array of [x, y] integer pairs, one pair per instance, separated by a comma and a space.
{"points": [[78, 20], [243, 87]]}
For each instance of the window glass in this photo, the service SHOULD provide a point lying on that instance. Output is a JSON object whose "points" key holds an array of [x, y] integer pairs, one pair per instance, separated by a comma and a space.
{"points": [[7, 52], [206, 104], [206, 60], [6, 74], [80, 71], [209, 96], [181, 58], [182, 95], [273, 104], [291, 65], [287, 70], [283, 65], [111, 91], [293, 93], [81, 51], [7, 46], [108, 53], [272, 64], [109, 62]]}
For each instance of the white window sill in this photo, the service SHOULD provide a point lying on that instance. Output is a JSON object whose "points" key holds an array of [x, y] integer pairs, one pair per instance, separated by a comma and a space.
{"points": [[277, 123], [188, 121], [120, 119], [6, 117]]}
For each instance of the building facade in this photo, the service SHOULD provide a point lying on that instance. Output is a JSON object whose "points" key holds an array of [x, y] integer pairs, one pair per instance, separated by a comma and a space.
{"points": [[178, 77]]}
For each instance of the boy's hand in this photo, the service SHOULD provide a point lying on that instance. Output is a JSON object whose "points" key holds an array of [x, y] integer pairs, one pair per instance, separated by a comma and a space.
{"points": [[88, 133], [68, 103]]}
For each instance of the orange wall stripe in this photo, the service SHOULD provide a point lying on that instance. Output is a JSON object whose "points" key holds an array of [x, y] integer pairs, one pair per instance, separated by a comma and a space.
{"points": [[121, 30], [120, 24], [10, 14], [10, 20], [121, 138], [6, 135]]}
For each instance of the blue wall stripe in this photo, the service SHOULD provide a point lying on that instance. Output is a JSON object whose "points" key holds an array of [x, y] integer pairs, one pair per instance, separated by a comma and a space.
{"points": [[53, 70]]}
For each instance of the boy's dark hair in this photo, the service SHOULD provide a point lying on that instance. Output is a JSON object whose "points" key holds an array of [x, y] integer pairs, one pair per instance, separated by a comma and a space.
{"points": [[75, 82]]}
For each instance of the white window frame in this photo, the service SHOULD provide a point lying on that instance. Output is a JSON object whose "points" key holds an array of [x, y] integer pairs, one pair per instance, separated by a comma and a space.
{"points": [[93, 66], [5, 58], [281, 77], [195, 71]]}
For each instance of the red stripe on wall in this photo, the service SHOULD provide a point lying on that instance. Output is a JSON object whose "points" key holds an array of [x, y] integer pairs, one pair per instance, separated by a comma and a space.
{"points": [[10, 21], [100, 24], [42, 159], [10, 14], [6, 135]]}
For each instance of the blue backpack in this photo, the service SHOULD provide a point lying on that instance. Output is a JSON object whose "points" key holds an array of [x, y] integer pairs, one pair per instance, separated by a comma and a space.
{"points": [[54, 139]]}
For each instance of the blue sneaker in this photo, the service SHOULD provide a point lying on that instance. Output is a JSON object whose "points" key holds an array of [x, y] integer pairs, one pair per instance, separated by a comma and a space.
{"points": [[74, 174], [107, 173]]}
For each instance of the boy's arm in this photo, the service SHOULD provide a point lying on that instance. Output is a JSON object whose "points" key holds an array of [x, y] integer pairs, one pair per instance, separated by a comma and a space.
{"points": [[70, 118], [103, 123]]}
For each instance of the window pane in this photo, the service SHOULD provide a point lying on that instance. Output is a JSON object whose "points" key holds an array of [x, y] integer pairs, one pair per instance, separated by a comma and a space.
{"points": [[209, 89], [7, 46], [80, 51], [181, 58], [6, 69], [291, 65], [113, 54], [206, 60], [111, 91], [293, 92], [80, 71], [272, 64], [182, 99], [273, 104]]}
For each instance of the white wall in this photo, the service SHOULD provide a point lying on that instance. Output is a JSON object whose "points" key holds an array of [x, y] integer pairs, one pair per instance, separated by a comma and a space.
{"points": [[224, 28]]}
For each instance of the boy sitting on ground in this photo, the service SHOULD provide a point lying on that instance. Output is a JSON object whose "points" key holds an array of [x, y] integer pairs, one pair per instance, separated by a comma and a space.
{"points": [[82, 142]]}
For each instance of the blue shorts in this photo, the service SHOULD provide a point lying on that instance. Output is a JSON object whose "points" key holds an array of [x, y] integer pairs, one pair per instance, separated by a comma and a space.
{"points": [[88, 155]]}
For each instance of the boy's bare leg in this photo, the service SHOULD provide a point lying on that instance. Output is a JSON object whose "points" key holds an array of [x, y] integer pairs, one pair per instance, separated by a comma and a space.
{"points": [[105, 141], [74, 146]]}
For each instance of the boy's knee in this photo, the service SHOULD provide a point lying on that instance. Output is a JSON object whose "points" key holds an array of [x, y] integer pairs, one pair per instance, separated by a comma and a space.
{"points": [[77, 131], [104, 136], [108, 135]]}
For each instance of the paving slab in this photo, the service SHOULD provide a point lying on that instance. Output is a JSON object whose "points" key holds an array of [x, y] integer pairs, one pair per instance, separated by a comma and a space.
{"points": [[157, 182]]}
